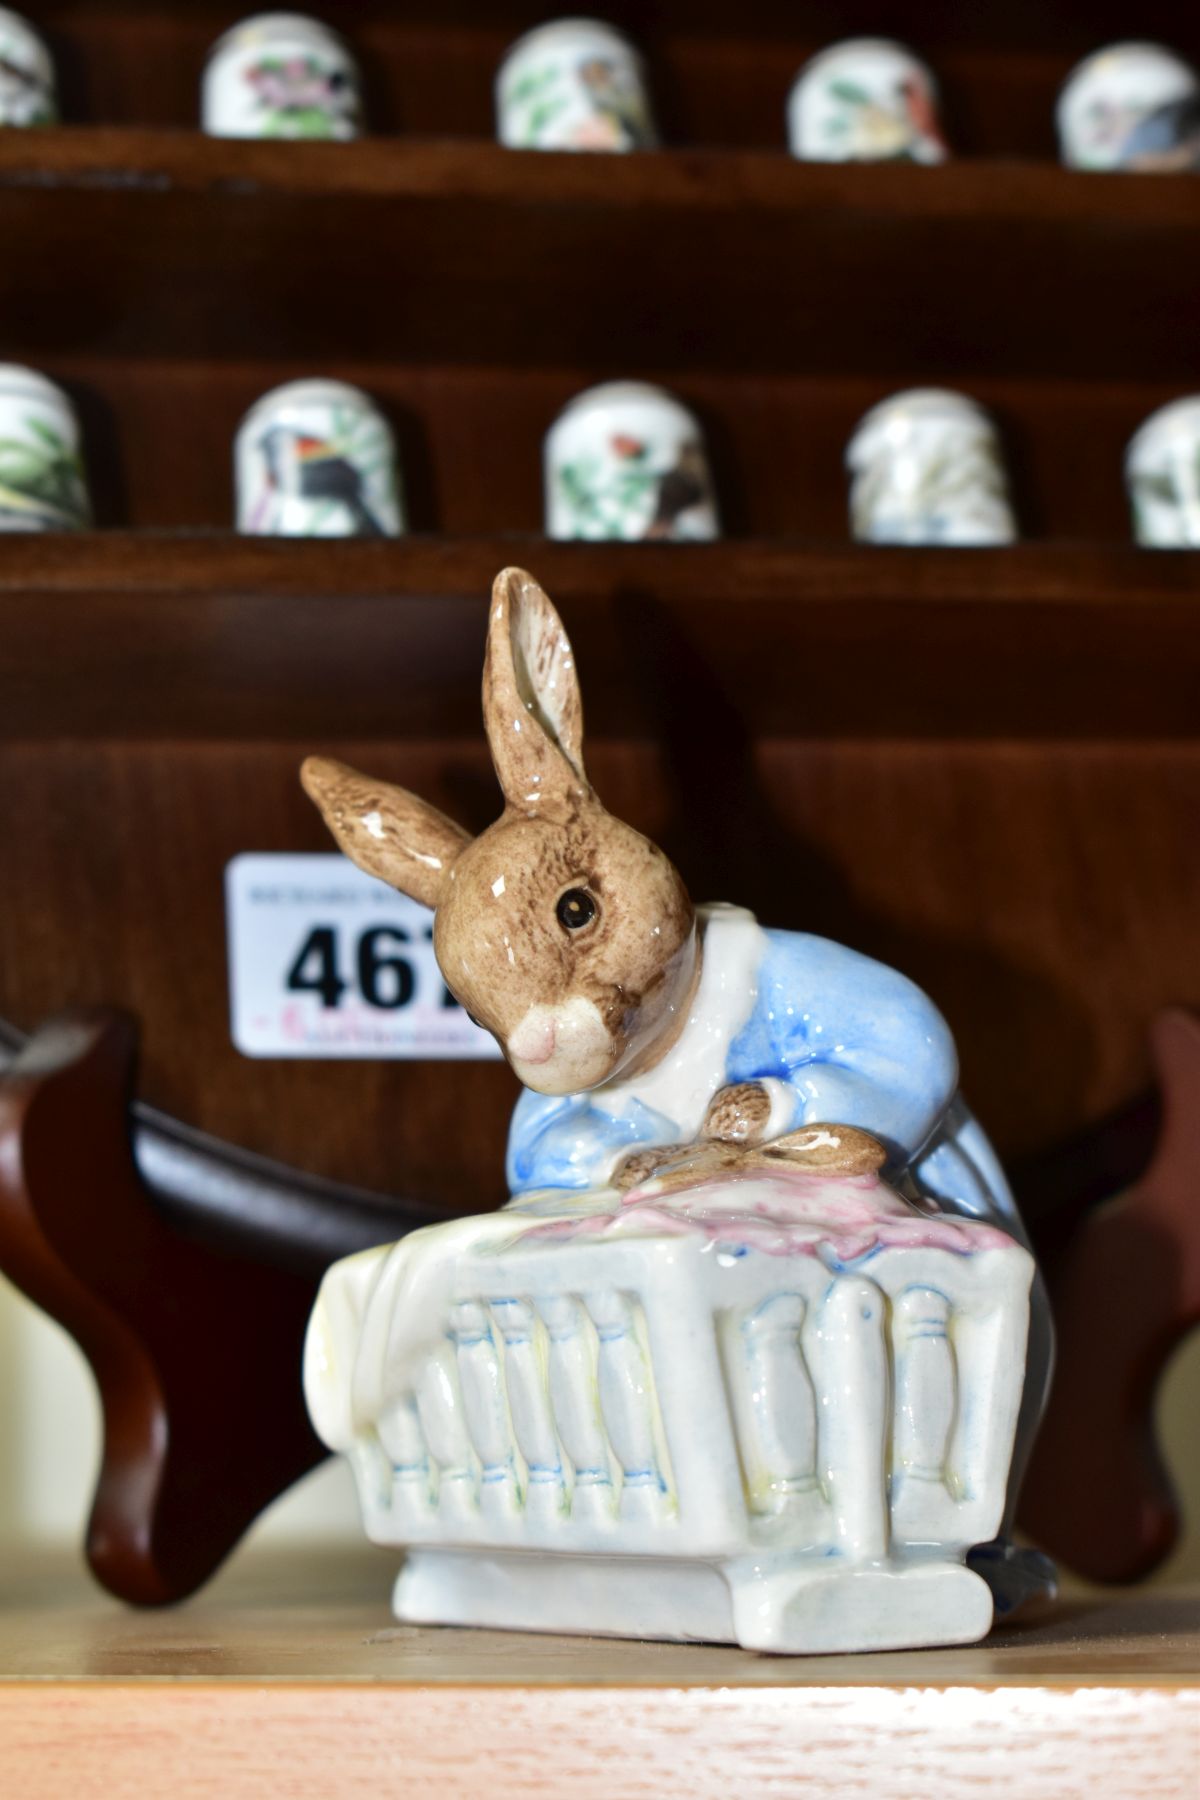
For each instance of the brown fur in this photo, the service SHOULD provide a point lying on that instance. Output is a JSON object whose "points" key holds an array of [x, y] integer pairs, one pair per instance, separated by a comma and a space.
{"points": [[827, 1150], [384, 829], [497, 938]]}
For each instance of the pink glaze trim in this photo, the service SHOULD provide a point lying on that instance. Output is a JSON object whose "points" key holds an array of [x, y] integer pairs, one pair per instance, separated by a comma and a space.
{"points": [[789, 1213]]}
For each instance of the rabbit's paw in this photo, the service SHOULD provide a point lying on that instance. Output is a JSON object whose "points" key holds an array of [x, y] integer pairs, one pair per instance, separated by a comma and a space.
{"points": [[639, 1165], [738, 1114], [828, 1150]]}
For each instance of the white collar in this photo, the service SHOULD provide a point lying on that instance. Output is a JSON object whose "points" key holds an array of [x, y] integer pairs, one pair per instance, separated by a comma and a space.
{"points": [[682, 1084]]}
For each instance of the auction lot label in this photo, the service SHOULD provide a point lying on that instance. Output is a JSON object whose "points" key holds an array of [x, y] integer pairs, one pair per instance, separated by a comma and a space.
{"points": [[325, 961]]}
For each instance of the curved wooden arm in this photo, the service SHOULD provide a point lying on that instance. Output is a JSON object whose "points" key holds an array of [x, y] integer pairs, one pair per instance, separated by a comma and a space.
{"points": [[1126, 1291], [186, 1271], [192, 1328], [231, 1199]]}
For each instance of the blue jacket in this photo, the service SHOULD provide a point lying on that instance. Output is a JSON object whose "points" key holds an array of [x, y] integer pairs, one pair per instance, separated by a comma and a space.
{"points": [[855, 1042]]}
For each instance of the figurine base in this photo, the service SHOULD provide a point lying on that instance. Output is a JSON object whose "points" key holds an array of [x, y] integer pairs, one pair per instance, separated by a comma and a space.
{"points": [[762, 1603]]}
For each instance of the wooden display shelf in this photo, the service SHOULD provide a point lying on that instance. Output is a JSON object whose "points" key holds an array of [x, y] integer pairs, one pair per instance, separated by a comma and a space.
{"points": [[158, 437], [131, 242], [288, 1676], [235, 638], [979, 766], [716, 77]]}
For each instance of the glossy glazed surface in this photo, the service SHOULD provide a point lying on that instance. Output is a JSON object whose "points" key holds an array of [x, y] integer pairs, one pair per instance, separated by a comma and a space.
{"points": [[281, 75], [865, 100], [317, 459], [575, 84], [698, 1152]]}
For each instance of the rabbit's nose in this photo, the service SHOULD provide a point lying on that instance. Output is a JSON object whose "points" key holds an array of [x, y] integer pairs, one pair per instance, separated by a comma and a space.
{"points": [[533, 1040]]}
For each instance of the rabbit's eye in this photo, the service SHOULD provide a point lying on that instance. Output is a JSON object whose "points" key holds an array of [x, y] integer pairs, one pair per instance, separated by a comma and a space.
{"points": [[575, 909]]}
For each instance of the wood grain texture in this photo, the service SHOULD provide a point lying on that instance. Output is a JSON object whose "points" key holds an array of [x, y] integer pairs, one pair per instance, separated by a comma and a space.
{"points": [[434, 250], [292, 1744], [195, 1350], [287, 1678], [1043, 894], [235, 639], [321, 1613]]}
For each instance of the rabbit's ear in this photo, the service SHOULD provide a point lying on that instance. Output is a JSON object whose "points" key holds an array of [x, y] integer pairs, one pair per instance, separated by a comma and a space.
{"points": [[384, 829], [531, 703]]}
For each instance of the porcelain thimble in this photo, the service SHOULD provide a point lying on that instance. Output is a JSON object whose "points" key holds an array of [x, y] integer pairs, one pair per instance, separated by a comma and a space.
{"points": [[626, 461], [1162, 474], [927, 468], [281, 75], [43, 486], [28, 95], [576, 84], [317, 459], [1131, 106], [865, 100]]}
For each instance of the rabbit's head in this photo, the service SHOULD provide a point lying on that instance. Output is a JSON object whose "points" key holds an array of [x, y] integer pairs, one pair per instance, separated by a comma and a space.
{"points": [[562, 930]]}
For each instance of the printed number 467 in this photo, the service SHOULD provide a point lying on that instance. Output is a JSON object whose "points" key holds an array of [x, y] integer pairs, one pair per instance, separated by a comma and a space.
{"points": [[385, 974]]}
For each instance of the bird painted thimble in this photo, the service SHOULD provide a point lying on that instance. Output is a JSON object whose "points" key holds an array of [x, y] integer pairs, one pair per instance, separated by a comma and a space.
{"points": [[28, 95], [1162, 474], [574, 85], [316, 459], [627, 461], [281, 75], [927, 468], [1131, 106], [42, 482], [865, 100]]}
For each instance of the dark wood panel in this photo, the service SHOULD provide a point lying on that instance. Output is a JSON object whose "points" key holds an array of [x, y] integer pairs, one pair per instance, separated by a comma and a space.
{"points": [[160, 243], [986, 22], [1045, 894], [159, 440], [113, 636]]}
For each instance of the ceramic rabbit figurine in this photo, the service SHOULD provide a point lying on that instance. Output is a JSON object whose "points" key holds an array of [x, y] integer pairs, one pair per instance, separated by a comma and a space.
{"points": [[663, 1048]]}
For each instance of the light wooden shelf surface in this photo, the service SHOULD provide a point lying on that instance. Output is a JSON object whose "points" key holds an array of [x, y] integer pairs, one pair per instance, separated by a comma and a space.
{"points": [[289, 1677]]}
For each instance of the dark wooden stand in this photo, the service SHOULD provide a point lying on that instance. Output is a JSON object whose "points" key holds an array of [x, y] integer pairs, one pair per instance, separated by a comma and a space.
{"points": [[191, 1313], [982, 767], [186, 1273]]}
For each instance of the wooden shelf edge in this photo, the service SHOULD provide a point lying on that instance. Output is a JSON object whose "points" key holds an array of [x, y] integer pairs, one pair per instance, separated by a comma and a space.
{"points": [[507, 1742], [228, 638], [434, 250], [320, 1613], [785, 570], [142, 160], [288, 1672]]}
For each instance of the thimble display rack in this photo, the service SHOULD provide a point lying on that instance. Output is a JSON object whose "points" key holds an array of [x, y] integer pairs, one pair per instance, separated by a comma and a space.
{"points": [[982, 766]]}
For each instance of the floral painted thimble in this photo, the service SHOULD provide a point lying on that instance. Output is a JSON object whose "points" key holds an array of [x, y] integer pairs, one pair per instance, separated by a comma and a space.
{"points": [[317, 459], [865, 100], [627, 461], [42, 482], [1162, 474], [28, 95], [281, 75], [926, 468], [574, 85], [1131, 106]]}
